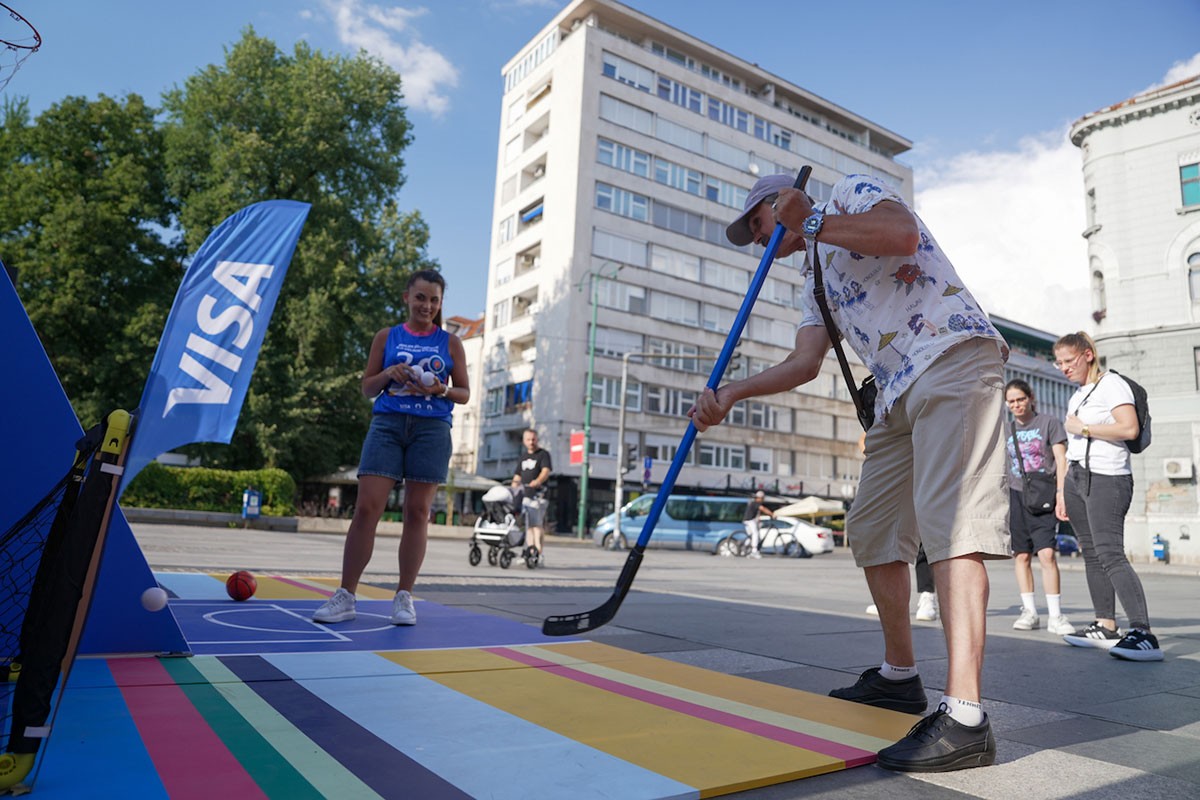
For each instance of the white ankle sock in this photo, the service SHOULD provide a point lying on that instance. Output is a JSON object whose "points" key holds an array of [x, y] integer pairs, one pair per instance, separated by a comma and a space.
{"points": [[1028, 602], [896, 673], [1054, 602], [964, 712]]}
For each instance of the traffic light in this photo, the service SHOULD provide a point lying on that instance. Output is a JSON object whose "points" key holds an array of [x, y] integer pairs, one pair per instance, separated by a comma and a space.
{"points": [[631, 457]]}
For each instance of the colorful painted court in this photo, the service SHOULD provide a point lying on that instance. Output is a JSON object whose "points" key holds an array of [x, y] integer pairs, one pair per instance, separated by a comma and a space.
{"points": [[462, 705]]}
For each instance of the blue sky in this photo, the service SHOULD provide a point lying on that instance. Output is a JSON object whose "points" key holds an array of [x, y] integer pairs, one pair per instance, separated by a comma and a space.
{"points": [[985, 90]]}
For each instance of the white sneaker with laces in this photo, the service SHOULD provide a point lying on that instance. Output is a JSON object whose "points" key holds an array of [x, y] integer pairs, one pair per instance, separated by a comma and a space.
{"points": [[403, 612], [755, 554], [1060, 626], [927, 607], [1027, 621], [338, 608]]}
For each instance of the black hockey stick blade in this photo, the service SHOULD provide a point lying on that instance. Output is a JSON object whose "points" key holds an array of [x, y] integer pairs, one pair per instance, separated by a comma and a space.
{"points": [[571, 624]]}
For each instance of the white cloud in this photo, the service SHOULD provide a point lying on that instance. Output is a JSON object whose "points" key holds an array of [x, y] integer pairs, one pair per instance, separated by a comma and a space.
{"points": [[1010, 221], [1178, 71], [389, 35]]}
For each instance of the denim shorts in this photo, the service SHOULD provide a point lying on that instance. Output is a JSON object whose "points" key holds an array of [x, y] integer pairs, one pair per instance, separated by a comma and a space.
{"points": [[406, 447]]}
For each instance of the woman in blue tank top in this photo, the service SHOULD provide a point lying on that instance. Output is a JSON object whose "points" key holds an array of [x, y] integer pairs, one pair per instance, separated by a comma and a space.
{"points": [[416, 372]]}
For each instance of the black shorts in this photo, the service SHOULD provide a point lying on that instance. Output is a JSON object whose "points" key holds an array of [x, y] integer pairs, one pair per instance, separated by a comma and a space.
{"points": [[1029, 533]]}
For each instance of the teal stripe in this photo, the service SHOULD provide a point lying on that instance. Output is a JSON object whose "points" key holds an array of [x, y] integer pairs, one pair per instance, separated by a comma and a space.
{"points": [[270, 770], [320, 769]]}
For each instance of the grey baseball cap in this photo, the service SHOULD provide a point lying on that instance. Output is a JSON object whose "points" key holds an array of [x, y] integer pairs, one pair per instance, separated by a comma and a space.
{"points": [[738, 231]]}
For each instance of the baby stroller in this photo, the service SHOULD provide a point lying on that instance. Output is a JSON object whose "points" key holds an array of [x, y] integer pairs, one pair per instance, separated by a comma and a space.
{"points": [[501, 528]]}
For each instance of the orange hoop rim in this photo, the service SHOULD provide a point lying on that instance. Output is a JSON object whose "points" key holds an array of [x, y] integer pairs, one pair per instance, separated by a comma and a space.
{"points": [[37, 37]]}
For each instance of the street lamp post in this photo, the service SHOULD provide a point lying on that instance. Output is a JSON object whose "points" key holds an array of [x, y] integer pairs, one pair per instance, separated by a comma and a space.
{"points": [[587, 406], [620, 481]]}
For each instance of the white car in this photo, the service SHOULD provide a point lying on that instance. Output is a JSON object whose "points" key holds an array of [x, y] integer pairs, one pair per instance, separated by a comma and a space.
{"points": [[813, 538], [781, 536]]}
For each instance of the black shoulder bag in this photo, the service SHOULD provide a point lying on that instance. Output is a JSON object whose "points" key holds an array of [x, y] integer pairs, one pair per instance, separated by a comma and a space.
{"points": [[864, 395], [1038, 488]]}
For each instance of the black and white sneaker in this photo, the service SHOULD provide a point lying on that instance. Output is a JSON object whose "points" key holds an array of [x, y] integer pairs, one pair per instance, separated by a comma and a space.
{"points": [[1137, 646], [1094, 635]]}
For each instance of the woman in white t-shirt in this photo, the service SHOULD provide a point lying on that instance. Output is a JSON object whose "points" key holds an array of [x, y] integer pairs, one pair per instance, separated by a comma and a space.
{"points": [[1096, 496]]}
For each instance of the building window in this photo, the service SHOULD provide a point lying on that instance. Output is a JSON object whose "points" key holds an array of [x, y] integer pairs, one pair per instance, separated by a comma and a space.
{"points": [[618, 248], [1099, 297], [721, 456], [1196, 356], [1193, 263], [493, 404], [626, 114], [619, 201], [680, 94], [1189, 183], [505, 230], [623, 158], [627, 72], [500, 314], [665, 261], [762, 459]]}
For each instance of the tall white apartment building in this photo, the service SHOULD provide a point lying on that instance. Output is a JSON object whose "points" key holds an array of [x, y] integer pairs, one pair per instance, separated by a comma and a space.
{"points": [[626, 147], [1141, 173]]}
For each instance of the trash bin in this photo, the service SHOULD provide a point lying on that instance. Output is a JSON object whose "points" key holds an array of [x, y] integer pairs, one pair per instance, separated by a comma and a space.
{"points": [[1162, 549], [251, 504]]}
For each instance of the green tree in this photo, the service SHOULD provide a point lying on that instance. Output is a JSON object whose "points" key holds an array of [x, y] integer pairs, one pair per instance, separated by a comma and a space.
{"points": [[330, 131], [86, 222]]}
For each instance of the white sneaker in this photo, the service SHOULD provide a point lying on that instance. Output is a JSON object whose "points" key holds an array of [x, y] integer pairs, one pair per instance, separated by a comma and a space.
{"points": [[339, 608], [1028, 621], [873, 610], [755, 554], [927, 607], [403, 612], [1060, 626]]}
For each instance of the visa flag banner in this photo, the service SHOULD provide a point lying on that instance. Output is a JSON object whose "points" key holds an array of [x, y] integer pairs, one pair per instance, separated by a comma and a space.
{"points": [[210, 343]]}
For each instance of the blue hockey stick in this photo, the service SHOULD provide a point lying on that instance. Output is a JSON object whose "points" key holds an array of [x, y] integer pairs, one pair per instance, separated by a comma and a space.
{"points": [[569, 624]]}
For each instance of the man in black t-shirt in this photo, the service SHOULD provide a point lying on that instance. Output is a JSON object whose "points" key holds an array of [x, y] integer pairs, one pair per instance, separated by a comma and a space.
{"points": [[534, 470]]}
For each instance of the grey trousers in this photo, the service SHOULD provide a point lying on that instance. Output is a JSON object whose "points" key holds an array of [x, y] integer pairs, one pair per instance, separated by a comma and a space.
{"points": [[1097, 505]]}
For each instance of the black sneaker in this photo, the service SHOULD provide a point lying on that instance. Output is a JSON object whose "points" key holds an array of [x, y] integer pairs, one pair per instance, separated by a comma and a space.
{"points": [[873, 689], [1094, 635], [1137, 646], [939, 744]]}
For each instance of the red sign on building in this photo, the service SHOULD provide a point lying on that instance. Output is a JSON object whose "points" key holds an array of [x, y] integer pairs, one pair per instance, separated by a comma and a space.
{"points": [[576, 448]]}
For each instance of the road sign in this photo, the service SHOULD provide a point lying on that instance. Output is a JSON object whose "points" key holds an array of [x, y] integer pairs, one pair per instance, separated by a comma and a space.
{"points": [[576, 453]]}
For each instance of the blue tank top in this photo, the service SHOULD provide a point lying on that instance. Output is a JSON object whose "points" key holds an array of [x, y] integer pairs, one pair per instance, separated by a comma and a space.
{"points": [[430, 352]]}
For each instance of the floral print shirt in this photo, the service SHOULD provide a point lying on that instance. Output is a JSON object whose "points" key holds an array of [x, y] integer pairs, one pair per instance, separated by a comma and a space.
{"points": [[899, 313]]}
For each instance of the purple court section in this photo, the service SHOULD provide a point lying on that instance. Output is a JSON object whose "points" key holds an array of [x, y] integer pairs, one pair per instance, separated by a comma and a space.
{"points": [[285, 626], [39, 429]]}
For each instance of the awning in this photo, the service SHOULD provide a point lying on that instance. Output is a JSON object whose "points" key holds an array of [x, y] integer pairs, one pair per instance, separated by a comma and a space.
{"points": [[812, 507]]}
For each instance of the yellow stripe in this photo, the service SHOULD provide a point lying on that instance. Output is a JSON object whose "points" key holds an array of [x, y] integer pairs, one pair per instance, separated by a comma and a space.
{"points": [[806, 722], [317, 767], [854, 718], [703, 754]]}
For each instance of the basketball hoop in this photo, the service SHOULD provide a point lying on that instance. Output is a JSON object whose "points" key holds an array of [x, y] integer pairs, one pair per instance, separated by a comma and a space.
{"points": [[18, 41]]}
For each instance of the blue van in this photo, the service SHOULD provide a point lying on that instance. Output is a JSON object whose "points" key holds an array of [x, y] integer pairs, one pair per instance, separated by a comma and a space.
{"points": [[688, 522]]}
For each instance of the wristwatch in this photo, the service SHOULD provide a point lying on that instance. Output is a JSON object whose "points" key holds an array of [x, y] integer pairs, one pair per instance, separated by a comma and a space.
{"points": [[1087, 431], [812, 224]]}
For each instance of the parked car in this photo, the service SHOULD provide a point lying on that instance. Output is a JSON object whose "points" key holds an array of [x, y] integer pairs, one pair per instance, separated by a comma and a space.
{"points": [[814, 538], [688, 522], [1067, 544]]}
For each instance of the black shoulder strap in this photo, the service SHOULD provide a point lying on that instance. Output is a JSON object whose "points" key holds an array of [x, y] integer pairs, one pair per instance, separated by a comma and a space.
{"points": [[834, 335], [1012, 426]]}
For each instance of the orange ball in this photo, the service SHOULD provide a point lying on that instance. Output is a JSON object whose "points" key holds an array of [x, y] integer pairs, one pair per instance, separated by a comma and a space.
{"points": [[241, 585]]}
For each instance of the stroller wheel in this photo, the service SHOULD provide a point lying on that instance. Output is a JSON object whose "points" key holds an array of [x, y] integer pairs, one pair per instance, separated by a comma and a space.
{"points": [[475, 556], [506, 559], [531, 557], [493, 555]]}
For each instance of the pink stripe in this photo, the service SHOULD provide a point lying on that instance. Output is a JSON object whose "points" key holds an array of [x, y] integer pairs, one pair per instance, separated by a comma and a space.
{"points": [[853, 756], [190, 758], [299, 585]]}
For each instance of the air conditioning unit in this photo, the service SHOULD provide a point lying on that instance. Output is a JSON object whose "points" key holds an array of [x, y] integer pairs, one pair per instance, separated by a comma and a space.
{"points": [[1177, 469], [539, 170]]}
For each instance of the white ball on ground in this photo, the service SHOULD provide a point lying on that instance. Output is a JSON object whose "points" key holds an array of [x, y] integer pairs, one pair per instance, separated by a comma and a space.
{"points": [[154, 599], [428, 378]]}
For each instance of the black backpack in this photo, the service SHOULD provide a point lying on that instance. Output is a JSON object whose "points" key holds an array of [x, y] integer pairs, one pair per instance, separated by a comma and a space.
{"points": [[1141, 404]]}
